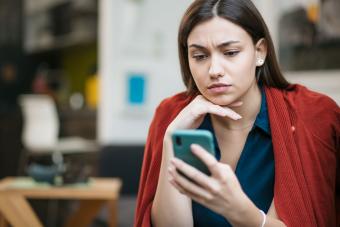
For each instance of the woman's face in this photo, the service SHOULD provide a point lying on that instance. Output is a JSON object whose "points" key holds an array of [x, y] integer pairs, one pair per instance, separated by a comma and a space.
{"points": [[222, 60]]}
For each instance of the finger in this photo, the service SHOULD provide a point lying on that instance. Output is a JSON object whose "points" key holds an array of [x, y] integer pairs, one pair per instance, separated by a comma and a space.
{"points": [[171, 171], [198, 199], [179, 188], [185, 186], [208, 159], [219, 171], [195, 175], [192, 196], [205, 106], [223, 111]]}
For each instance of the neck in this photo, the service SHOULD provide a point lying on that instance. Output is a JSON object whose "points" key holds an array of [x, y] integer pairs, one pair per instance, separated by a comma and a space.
{"points": [[249, 110]]}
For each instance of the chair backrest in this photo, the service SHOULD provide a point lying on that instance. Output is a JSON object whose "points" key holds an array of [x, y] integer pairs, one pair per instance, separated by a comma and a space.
{"points": [[41, 123]]}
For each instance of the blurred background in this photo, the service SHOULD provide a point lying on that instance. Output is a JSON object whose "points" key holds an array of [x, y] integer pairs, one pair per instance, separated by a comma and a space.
{"points": [[100, 67]]}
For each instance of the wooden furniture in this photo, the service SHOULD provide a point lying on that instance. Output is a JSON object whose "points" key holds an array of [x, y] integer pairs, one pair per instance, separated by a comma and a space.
{"points": [[15, 209]]}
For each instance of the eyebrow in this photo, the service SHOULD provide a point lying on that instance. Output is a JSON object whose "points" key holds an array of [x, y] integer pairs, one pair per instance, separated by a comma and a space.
{"points": [[224, 44]]}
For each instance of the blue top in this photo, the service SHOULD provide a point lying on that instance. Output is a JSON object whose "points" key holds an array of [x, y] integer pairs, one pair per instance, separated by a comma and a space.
{"points": [[254, 170]]}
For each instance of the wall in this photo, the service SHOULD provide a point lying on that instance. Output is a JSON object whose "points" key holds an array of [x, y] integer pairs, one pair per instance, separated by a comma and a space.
{"points": [[142, 38]]}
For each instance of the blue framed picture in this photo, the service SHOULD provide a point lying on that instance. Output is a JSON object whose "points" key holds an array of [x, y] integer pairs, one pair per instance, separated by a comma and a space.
{"points": [[136, 88]]}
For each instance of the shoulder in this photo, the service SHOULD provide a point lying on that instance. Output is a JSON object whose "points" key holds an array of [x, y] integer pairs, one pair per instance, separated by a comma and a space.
{"points": [[312, 102], [317, 111], [305, 94], [300, 98]]}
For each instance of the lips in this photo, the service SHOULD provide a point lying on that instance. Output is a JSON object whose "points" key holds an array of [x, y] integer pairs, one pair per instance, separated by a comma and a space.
{"points": [[219, 87]]}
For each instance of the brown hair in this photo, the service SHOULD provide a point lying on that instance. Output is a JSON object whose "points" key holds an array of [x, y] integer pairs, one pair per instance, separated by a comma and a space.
{"points": [[242, 13]]}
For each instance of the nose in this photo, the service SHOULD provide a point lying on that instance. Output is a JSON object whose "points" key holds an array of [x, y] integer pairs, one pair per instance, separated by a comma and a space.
{"points": [[216, 69]]}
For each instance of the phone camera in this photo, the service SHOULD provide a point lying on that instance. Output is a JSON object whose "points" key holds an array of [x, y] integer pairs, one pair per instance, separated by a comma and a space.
{"points": [[178, 141]]}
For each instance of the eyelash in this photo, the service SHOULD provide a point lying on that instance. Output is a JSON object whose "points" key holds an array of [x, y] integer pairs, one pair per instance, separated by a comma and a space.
{"points": [[201, 57], [231, 53]]}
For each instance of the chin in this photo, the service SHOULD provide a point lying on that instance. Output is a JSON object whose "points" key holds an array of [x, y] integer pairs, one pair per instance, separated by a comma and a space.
{"points": [[221, 100]]}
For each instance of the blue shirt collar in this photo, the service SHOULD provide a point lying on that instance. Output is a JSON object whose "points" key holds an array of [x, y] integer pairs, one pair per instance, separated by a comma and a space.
{"points": [[262, 118]]}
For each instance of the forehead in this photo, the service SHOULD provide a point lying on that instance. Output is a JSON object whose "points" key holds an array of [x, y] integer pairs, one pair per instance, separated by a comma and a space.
{"points": [[217, 30]]}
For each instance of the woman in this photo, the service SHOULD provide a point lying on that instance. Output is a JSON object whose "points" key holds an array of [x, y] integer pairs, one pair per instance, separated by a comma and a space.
{"points": [[277, 144]]}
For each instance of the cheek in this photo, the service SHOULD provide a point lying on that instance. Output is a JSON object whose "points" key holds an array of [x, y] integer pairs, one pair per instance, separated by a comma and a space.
{"points": [[245, 69], [197, 72]]}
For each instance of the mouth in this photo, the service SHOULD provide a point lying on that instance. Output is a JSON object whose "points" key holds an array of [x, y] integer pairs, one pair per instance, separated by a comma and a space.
{"points": [[219, 87]]}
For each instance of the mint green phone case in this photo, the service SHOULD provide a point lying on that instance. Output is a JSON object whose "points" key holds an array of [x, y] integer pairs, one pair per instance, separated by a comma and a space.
{"points": [[182, 139]]}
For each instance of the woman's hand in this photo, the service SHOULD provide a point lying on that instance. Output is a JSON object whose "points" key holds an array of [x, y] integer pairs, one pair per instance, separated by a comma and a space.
{"points": [[193, 114], [220, 192]]}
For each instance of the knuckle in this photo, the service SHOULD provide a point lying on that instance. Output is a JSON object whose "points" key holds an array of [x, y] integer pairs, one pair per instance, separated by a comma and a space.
{"points": [[202, 200], [215, 190], [226, 167], [224, 179], [222, 175], [213, 165], [208, 199], [197, 110]]}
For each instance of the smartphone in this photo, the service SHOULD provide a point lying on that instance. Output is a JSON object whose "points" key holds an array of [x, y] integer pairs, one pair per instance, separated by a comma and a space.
{"points": [[182, 139]]}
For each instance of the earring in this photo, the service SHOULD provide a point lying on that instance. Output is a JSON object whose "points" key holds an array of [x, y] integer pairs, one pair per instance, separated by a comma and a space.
{"points": [[260, 62]]}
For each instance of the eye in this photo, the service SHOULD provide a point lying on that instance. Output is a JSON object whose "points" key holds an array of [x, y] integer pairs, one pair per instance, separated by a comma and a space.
{"points": [[199, 57], [231, 53]]}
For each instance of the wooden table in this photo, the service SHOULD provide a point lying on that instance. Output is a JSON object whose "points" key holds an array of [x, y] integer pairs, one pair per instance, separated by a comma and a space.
{"points": [[16, 210]]}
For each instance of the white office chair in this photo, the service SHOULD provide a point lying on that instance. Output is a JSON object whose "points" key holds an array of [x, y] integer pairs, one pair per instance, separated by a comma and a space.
{"points": [[41, 129]]}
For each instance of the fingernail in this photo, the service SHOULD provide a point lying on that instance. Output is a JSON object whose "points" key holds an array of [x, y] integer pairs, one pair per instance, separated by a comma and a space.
{"points": [[233, 115], [237, 117]]}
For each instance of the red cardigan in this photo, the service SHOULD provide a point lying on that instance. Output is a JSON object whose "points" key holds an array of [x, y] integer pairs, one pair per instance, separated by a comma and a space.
{"points": [[305, 129]]}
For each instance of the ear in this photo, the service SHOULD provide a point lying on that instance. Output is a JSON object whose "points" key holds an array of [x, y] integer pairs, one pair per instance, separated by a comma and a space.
{"points": [[261, 52]]}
